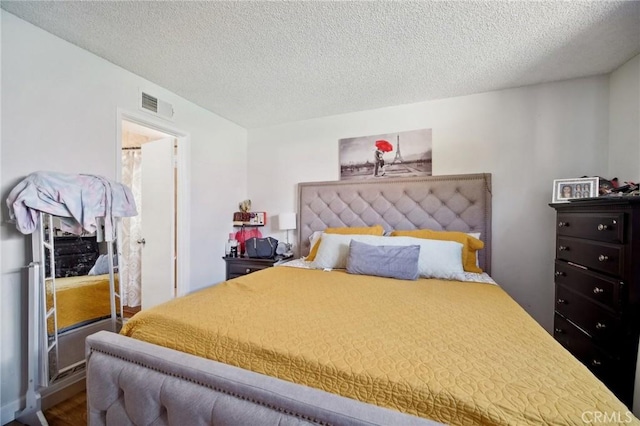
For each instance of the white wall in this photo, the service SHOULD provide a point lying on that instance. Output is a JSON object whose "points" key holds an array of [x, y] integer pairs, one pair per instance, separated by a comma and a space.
{"points": [[624, 122], [525, 137], [624, 141], [59, 113]]}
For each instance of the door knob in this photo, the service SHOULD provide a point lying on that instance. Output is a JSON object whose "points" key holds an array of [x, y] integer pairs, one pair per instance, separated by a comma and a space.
{"points": [[142, 241]]}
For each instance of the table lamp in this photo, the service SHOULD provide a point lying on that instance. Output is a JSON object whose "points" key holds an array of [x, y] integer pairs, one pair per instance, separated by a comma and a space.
{"points": [[286, 222]]}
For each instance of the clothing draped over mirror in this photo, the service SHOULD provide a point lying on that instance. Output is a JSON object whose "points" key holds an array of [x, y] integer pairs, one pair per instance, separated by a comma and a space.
{"points": [[78, 199]]}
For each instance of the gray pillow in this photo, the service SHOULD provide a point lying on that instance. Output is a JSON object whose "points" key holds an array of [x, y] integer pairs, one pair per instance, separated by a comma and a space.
{"points": [[399, 262]]}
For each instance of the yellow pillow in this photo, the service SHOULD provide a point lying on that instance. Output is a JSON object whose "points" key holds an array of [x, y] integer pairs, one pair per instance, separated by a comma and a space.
{"points": [[470, 245], [364, 230]]}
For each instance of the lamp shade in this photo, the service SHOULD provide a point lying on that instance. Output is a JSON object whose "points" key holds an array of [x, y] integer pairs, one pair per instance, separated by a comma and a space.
{"points": [[287, 221]]}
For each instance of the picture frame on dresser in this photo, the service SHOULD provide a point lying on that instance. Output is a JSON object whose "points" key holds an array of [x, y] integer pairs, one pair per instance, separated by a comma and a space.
{"points": [[575, 188]]}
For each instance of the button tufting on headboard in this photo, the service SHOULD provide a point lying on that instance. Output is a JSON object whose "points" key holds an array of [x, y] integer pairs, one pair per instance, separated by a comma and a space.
{"points": [[454, 203]]}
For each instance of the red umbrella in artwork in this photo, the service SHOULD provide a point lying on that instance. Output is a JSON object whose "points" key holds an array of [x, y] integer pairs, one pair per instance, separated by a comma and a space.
{"points": [[384, 146]]}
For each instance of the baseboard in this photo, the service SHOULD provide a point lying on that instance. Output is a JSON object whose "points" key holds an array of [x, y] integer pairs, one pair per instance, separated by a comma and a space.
{"points": [[8, 411], [51, 396]]}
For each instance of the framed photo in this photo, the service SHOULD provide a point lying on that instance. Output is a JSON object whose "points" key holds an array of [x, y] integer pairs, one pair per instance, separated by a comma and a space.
{"points": [[570, 189], [400, 154]]}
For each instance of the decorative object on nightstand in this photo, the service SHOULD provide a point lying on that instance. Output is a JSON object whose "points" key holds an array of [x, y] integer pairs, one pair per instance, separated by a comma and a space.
{"points": [[249, 218], [261, 248], [245, 206], [246, 219], [597, 281], [231, 248], [287, 222]]}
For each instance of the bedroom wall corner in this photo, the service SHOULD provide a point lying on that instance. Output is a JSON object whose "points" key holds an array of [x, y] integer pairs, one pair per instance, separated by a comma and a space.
{"points": [[624, 122], [48, 123], [525, 137]]}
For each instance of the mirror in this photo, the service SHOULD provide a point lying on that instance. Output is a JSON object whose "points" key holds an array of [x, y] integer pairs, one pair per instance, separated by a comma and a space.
{"points": [[81, 295]]}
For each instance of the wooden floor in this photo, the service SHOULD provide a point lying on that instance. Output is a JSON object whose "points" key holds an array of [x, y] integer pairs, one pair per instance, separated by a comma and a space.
{"points": [[72, 412], [130, 311]]}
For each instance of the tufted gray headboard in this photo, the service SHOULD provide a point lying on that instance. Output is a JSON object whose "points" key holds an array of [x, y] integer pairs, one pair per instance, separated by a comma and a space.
{"points": [[451, 203]]}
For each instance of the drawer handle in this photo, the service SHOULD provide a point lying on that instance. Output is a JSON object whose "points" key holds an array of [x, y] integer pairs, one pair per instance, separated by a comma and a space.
{"points": [[601, 326], [602, 227], [559, 331], [596, 363], [597, 290], [561, 301], [247, 270], [603, 258], [563, 224], [563, 248], [559, 274]]}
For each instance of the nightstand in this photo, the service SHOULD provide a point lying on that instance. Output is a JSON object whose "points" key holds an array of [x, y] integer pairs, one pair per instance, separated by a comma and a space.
{"points": [[239, 266]]}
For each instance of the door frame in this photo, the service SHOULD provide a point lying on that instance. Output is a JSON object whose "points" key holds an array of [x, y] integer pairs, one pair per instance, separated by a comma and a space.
{"points": [[183, 204]]}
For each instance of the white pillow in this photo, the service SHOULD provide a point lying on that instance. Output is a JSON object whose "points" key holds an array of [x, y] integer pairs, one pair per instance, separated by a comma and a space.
{"points": [[101, 266], [313, 238], [438, 259]]}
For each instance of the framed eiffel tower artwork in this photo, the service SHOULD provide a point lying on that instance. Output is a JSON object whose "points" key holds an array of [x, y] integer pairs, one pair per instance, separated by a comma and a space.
{"points": [[399, 154]]}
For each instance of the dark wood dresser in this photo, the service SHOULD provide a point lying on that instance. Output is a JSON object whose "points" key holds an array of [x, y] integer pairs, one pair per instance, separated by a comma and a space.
{"points": [[597, 277], [74, 255]]}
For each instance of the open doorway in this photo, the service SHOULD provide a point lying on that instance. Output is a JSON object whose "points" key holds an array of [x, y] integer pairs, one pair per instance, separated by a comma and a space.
{"points": [[142, 166], [164, 243]]}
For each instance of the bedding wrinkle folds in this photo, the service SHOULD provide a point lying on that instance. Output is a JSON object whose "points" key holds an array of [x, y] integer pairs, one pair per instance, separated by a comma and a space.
{"points": [[456, 352]]}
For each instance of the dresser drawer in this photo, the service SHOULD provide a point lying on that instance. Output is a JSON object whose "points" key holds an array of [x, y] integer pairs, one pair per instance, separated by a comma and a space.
{"points": [[244, 268], [75, 247], [598, 256], [606, 227], [582, 347], [600, 323], [589, 284]]}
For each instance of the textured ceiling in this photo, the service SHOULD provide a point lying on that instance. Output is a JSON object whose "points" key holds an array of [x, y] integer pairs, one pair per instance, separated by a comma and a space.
{"points": [[262, 63]]}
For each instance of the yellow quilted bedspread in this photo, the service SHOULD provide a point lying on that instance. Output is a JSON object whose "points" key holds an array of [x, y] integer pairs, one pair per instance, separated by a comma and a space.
{"points": [[81, 299], [459, 353]]}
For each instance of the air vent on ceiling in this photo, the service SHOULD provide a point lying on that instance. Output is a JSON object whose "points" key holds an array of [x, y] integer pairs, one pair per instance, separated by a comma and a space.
{"points": [[155, 106]]}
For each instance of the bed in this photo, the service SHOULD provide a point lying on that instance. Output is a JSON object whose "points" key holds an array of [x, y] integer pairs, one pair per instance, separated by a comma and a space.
{"points": [[456, 352], [82, 299]]}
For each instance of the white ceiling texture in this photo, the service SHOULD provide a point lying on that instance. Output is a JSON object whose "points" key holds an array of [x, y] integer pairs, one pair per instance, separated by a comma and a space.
{"points": [[262, 63]]}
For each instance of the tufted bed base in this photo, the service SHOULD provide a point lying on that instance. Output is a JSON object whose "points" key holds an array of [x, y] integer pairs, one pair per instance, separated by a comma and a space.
{"points": [[133, 382]]}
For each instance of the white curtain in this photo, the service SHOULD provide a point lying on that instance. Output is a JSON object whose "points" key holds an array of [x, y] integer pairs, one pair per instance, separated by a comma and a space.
{"points": [[130, 262]]}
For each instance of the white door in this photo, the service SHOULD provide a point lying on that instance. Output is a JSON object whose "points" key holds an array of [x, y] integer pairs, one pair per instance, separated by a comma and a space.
{"points": [[158, 222]]}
